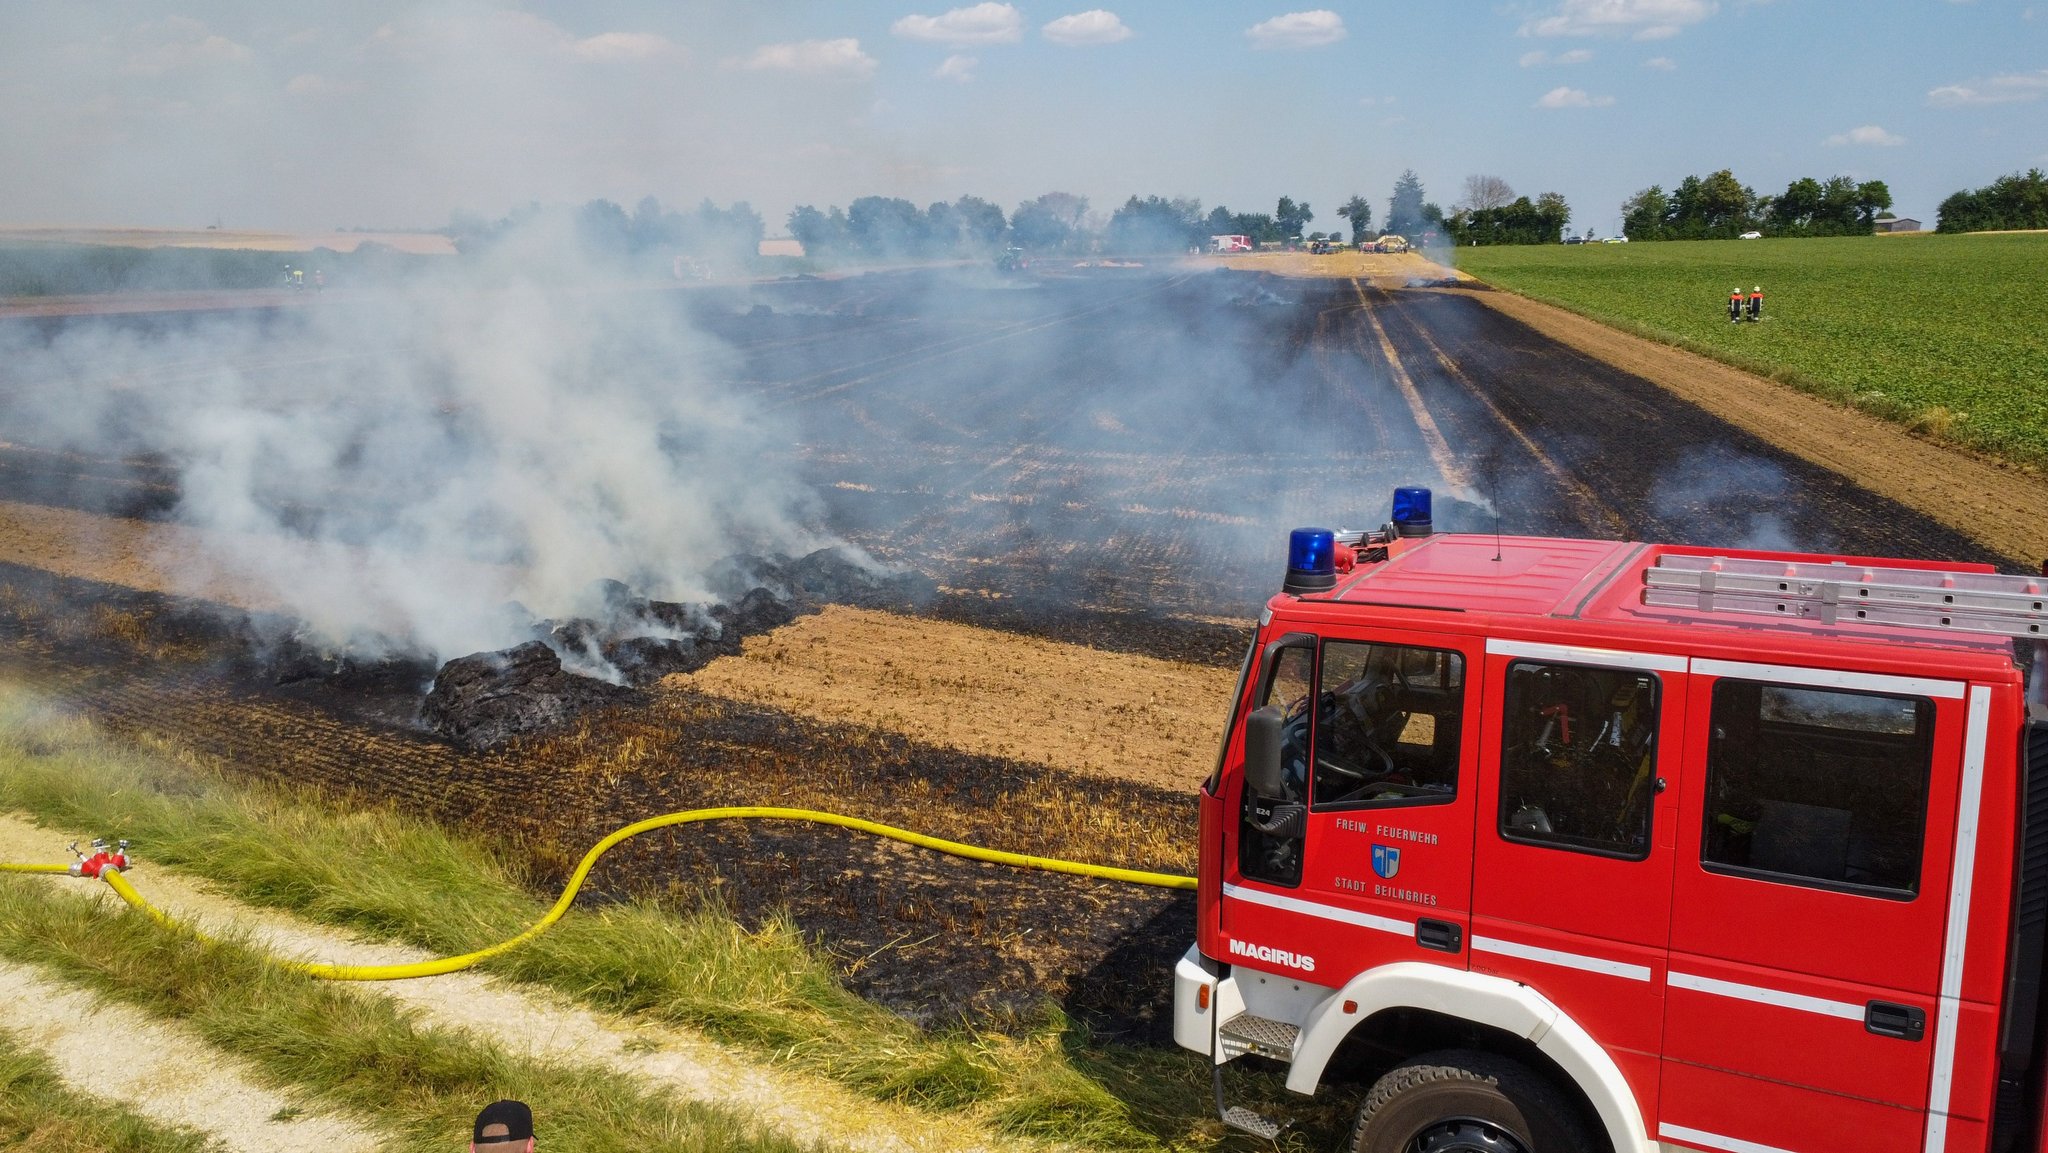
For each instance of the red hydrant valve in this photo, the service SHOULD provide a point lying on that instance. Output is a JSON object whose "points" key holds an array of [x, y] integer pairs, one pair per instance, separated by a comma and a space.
{"points": [[101, 859]]}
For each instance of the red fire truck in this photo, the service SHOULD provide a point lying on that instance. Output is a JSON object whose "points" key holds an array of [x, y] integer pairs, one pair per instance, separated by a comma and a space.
{"points": [[1594, 845]]}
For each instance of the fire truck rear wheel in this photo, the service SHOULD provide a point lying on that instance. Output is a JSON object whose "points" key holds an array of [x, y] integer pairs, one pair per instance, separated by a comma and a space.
{"points": [[1464, 1101]]}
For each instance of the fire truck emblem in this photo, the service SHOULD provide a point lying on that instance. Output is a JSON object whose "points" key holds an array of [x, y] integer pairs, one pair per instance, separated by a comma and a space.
{"points": [[1386, 861]]}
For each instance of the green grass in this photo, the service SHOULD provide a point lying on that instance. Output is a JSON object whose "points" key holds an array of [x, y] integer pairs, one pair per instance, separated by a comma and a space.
{"points": [[358, 1054], [1944, 334], [40, 1114], [765, 989]]}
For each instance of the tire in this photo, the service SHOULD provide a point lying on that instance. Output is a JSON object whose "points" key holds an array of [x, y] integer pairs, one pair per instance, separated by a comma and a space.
{"points": [[1464, 1101]]}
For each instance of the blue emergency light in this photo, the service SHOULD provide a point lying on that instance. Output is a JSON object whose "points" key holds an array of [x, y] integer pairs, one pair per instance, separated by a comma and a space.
{"points": [[1311, 561], [1411, 512]]}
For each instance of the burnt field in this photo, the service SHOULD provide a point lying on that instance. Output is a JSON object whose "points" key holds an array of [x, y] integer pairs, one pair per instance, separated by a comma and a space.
{"points": [[1104, 458]]}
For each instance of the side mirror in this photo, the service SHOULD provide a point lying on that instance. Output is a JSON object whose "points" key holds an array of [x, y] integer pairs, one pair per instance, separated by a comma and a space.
{"points": [[1262, 773]]}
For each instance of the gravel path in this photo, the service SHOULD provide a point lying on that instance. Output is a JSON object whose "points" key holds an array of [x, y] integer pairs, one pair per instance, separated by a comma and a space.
{"points": [[162, 1071]]}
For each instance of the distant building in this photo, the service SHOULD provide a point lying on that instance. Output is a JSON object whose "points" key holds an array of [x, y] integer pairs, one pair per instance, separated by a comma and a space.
{"points": [[1898, 224], [781, 246]]}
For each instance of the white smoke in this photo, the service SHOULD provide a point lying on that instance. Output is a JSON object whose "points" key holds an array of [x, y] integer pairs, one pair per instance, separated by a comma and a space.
{"points": [[512, 426]]}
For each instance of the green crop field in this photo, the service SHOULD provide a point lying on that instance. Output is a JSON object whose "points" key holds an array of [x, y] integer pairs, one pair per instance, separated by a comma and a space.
{"points": [[1947, 334]]}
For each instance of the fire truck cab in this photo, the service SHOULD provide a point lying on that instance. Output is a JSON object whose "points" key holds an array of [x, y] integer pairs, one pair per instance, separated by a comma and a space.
{"points": [[1574, 844]]}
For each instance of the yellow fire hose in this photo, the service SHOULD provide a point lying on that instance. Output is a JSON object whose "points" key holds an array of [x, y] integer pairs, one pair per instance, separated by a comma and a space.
{"points": [[112, 876]]}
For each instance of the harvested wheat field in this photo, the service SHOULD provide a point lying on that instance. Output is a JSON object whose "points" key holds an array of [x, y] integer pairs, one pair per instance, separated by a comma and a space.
{"points": [[991, 693]]}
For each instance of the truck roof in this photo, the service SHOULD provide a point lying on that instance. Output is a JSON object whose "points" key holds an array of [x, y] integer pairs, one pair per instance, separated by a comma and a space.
{"points": [[1601, 584]]}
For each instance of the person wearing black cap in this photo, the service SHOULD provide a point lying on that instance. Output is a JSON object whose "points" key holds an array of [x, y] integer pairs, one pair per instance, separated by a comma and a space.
{"points": [[503, 1127]]}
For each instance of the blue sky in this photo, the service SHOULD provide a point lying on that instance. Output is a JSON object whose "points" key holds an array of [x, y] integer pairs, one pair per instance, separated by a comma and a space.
{"points": [[301, 115]]}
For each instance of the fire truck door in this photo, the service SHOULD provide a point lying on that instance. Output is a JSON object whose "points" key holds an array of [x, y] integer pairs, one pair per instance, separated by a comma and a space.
{"points": [[1378, 739], [1577, 810], [1809, 908]]}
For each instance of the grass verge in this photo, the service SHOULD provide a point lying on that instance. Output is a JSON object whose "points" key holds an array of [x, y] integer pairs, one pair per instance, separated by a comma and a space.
{"points": [[40, 1114], [356, 1053], [765, 989]]}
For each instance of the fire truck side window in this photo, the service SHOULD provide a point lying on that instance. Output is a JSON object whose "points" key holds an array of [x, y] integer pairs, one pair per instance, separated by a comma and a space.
{"points": [[1388, 726], [1818, 786], [1578, 763], [1276, 857]]}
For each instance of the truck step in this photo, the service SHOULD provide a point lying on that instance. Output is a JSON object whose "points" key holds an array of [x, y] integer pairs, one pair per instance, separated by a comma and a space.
{"points": [[1241, 1118], [1246, 1033]]}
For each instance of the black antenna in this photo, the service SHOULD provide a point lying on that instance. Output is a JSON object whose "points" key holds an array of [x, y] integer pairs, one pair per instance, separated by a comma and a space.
{"points": [[1489, 471]]}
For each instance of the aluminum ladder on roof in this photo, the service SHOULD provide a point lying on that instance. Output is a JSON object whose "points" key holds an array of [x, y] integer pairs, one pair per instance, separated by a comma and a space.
{"points": [[1842, 593]]}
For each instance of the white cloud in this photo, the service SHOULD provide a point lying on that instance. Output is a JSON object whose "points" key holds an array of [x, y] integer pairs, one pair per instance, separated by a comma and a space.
{"points": [[1298, 30], [1868, 134], [959, 69], [1095, 26], [1563, 97], [1647, 19], [1539, 56], [982, 24], [308, 84], [177, 43], [2009, 88], [622, 46], [1661, 64], [841, 57]]}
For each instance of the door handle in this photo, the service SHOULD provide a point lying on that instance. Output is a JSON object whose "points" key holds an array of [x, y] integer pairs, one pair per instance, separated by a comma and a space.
{"points": [[1443, 936], [1890, 1020]]}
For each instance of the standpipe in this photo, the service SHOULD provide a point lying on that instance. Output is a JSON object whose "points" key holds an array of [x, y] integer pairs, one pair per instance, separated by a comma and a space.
{"points": [[108, 867]]}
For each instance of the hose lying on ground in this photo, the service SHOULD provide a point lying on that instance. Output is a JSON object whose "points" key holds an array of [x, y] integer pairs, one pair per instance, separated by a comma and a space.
{"points": [[112, 876]]}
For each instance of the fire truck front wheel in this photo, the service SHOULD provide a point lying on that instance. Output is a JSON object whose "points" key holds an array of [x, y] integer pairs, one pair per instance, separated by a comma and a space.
{"points": [[1465, 1101]]}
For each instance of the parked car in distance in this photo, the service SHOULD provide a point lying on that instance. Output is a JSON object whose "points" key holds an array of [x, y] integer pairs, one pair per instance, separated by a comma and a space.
{"points": [[1615, 240], [1751, 236]]}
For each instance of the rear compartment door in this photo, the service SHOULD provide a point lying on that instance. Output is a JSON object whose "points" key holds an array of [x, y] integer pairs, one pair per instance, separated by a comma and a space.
{"points": [[1817, 833], [1576, 827]]}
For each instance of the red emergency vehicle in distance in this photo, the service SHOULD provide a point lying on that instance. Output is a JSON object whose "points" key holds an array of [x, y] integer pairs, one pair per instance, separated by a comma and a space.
{"points": [[1573, 844]]}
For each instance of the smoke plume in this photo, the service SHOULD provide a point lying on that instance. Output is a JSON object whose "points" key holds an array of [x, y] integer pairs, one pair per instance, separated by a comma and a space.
{"points": [[396, 464]]}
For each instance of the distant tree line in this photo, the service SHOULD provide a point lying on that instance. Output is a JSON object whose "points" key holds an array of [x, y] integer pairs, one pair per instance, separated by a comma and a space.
{"points": [[2009, 202], [1409, 214], [1492, 214], [650, 233], [888, 228], [1154, 224], [1719, 207]]}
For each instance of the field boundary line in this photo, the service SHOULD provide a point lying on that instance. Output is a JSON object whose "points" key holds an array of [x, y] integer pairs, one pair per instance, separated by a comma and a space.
{"points": [[1447, 465]]}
